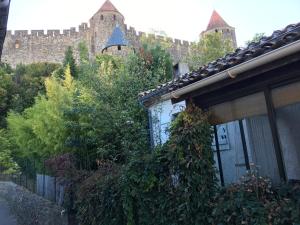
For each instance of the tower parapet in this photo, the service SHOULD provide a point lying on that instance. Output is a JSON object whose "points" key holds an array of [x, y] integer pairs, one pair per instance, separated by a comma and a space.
{"points": [[102, 25], [217, 24]]}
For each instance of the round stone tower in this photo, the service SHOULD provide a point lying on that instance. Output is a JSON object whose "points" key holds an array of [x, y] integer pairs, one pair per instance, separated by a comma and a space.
{"points": [[102, 25], [218, 24]]}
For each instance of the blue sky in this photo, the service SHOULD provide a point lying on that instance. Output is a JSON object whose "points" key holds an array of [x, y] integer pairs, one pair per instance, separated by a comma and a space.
{"points": [[178, 18]]}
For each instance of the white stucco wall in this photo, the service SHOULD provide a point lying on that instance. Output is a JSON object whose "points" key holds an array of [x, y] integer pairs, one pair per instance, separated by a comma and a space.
{"points": [[161, 116], [232, 155]]}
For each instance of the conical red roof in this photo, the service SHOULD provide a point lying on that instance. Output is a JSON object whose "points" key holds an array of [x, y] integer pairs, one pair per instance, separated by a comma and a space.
{"points": [[216, 21], [108, 6]]}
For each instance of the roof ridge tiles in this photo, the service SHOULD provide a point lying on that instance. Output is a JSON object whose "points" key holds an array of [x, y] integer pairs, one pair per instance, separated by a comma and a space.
{"points": [[108, 6], [216, 21], [278, 38]]}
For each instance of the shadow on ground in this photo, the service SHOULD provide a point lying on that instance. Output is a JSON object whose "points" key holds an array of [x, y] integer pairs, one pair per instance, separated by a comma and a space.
{"points": [[5, 217]]}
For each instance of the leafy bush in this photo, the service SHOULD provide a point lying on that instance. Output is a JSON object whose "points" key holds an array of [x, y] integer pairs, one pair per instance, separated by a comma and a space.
{"points": [[255, 201], [99, 199], [28, 83], [39, 132], [174, 185], [7, 163], [61, 165]]}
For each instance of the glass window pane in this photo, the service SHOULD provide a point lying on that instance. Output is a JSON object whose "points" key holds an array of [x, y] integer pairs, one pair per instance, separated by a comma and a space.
{"points": [[252, 111], [287, 103], [262, 147], [231, 152]]}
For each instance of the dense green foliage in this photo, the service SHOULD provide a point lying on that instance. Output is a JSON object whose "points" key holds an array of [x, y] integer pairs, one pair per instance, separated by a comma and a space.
{"points": [[86, 123], [96, 115], [180, 174], [209, 48], [99, 198], [19, 87], [255, 201], [83, 53], [29, 82], [39, 131], [6, 89], [7, 162], [70, 60], [256, 38]]}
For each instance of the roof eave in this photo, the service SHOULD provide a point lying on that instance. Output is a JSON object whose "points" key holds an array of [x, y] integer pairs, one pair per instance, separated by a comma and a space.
{"points": [[108, 46], [230, 73]]}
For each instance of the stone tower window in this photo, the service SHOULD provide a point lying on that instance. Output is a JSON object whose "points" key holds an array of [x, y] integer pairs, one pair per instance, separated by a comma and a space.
{"points": [[101, 17], [115, 17], [17, 44], [119, 47]]}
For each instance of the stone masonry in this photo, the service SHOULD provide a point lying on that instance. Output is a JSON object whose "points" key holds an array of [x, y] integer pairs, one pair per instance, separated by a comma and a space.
{"points": [[22, 46]]}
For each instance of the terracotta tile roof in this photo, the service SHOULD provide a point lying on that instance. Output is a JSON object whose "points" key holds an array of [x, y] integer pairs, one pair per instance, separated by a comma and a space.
{"points": [[216, 21], [108, 6], [279, 38]]}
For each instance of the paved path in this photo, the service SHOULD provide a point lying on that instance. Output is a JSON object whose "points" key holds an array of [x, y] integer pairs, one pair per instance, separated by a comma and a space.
{"points": [[5, 217]]}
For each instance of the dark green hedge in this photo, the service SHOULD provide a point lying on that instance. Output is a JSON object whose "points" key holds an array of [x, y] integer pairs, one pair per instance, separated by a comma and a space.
{"points": [[255, 201], [176, 185]]}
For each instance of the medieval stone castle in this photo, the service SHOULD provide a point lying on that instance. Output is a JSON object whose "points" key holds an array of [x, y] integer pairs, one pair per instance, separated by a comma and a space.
{"points": [[106, 34]]}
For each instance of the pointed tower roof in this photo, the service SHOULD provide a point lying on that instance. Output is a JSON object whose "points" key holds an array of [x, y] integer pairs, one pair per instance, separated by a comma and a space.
{"points": [[108, 6], [216, 21], [117, 38]]}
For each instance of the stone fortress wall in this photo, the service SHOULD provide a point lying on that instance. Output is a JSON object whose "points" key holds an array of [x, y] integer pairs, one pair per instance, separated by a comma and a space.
{"points": [[27, 47], [22, 46]]}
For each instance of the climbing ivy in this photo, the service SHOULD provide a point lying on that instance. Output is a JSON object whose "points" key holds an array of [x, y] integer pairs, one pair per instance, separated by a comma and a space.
{"points": [[172, 185]]}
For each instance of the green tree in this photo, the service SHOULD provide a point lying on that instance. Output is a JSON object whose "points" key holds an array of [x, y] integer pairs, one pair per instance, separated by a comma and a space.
{"points": [[28, 82], [7, 163], [109, 66], [115, 125], [70, 60], [255, 38], [96, 116], [6, 89], [143, 70], [209, 48], [83, 53], [39, 131]]}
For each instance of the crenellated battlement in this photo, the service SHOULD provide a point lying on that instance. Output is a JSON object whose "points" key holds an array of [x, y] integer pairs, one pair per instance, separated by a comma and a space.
{"points": [[140, 34], [23, 46], [27, 46], [82, 29]]}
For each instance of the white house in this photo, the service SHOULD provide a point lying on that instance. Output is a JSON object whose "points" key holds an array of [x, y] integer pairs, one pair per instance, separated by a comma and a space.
{"points": [[254, 97]]}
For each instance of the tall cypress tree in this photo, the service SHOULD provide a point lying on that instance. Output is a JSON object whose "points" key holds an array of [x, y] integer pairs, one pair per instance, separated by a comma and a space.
{"points": [[70, 60]]}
